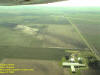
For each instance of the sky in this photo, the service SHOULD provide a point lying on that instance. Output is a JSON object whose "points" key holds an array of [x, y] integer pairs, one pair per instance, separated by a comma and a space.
{"points": [[75, 3]]}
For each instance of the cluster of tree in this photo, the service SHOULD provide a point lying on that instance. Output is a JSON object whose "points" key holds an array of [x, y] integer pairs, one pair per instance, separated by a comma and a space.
{"points": [[26, 0], [68, 56], [92, 61]]}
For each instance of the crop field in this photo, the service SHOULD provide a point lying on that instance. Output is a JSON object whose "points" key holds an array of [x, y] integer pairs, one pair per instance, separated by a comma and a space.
{"points": [[31, 53], [35, 29], [87, 21], [40, 67]]}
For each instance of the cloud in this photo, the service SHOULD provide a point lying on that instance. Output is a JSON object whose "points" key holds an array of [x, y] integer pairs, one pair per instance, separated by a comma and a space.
{"points": [[26, 29]]}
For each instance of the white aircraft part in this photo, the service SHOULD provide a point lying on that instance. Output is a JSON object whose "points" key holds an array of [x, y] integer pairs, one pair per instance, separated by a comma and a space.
{"points": [[73, 65], [73, 68]]}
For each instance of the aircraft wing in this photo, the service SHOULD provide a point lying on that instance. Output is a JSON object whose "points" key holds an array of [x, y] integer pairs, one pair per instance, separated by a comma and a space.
{"points": [[25, 2], [73, 64]]}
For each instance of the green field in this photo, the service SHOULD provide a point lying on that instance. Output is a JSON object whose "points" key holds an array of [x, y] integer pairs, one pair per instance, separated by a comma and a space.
{"points": [[31, 53]]}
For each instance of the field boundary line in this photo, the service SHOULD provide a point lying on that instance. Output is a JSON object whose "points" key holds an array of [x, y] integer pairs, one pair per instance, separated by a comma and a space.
{"points": [[3, 61], [83, 38], [84, 19]]}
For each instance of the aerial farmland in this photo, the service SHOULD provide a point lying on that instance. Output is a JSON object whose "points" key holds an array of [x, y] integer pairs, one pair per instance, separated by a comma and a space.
{"points": [[40, 37]]}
